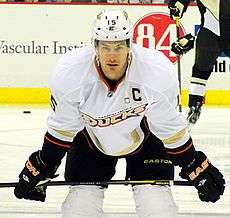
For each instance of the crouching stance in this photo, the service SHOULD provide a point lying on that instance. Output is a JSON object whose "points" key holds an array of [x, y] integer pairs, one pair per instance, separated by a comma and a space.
{"points": [[116, 100]]}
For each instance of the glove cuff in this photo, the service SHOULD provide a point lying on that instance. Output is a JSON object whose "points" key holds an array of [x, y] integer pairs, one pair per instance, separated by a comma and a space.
{"points": [[195, 100], [192, 171]]}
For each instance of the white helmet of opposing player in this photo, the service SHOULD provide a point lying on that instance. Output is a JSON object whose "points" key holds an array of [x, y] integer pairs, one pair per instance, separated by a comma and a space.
{"points": [[112, 25]]}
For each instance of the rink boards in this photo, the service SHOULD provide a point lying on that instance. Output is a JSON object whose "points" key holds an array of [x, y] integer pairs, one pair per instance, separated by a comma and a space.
{"points": [[34, 36]]}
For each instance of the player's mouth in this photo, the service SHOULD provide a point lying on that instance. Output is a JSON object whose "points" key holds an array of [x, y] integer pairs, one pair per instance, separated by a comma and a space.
{"points": [[112, 65]]}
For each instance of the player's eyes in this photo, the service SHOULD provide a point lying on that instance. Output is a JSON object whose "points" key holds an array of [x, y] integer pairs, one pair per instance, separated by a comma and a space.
{"points": [[108, 49], [119, 48], [105, 48]]}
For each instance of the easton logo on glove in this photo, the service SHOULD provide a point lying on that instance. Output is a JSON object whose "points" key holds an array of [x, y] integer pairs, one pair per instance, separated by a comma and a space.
{"points": [[199, 169], [31, 168]]}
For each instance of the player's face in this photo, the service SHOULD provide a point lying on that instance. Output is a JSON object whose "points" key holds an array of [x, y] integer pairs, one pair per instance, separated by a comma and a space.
{"points": [[113, 58]]}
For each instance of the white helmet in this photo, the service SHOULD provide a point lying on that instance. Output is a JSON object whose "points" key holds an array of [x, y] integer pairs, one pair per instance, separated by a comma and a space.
{"points": [[112, 25]]}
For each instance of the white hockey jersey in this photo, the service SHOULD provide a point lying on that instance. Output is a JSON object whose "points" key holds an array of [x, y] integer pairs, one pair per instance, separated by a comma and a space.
{"points": [[81, 99]]}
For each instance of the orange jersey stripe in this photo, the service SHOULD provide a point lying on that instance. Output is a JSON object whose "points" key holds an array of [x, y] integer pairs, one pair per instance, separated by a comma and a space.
{"points": [[182, 151], [57, 143]]}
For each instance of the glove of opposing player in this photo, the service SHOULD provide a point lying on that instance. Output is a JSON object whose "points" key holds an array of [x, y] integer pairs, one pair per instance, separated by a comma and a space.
{"points": [[33, 179], [194, 113], [206, 178], [195, 104], [176, 8], [183, 45]]}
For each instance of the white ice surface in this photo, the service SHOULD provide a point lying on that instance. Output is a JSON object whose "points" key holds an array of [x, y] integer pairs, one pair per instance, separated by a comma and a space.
{"points": [[21, 134]]}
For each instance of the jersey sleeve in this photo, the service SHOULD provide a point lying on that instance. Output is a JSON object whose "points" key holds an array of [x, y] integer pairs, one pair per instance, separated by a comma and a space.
{"points": [[165, 121], [65, 121]]}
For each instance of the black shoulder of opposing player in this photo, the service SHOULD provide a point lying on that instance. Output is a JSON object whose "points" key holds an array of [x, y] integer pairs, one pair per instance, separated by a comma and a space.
{"points": [[53, 149], [184, 2]]}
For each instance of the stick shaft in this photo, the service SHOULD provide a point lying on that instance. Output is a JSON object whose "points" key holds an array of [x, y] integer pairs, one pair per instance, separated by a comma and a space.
{"points": [[111, 182], [179, 64]]}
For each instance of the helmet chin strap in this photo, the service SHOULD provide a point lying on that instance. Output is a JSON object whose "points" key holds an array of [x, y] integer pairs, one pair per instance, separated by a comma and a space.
{"points": [[97, 60]]}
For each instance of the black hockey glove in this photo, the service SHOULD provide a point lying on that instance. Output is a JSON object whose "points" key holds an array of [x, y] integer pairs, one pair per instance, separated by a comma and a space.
{"points": [[194, 113], [33, 179], [206, 178], [177, 8], [195, 104], [183, 45]]}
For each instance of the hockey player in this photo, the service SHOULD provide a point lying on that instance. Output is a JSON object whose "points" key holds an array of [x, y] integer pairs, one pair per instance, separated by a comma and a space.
{"points": [[213, 38], [117, 100]]}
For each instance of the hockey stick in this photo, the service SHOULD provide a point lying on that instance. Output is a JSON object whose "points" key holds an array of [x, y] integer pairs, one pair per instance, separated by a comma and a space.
{"points": [[111, 182], [178, 64]]}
